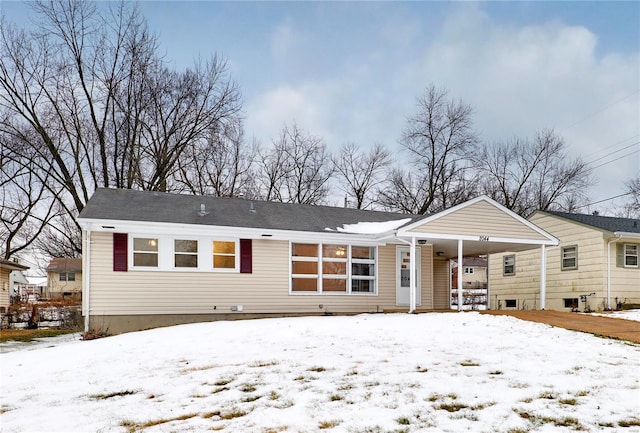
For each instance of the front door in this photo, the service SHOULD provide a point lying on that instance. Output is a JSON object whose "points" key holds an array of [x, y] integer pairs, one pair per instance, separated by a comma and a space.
{"points": [[403, 276]]}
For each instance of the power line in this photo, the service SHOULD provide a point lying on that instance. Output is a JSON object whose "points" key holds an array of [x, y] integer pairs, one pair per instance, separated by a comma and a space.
{"points": [[603, 200], [616, 159], [606, 107], [611, 153], [609, 147]]}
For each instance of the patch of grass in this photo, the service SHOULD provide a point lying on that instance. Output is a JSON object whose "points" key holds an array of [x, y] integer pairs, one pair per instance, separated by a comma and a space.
{"points": [[224, 381], [452, 396], [582, 393], [200, 368], [317, 369], [353, 372], [345, 387], [605, 424], [469, 363], [548, 395], [517, 430], [276, 429], [274, 395], [496, 372], [211, 414], [133, 426], [558, 422], [285, 404], [567, 422], [112, 394], [248, 387], [300, 378], [28, 335], [322, 425], [94, 335], [631, 422], [233, 413], [451, 407], [220, 389], [263, 364], [403, 420], [5, 408], [420, 369], [335, 397], [434, 397], [568, 401], [250, 398]]}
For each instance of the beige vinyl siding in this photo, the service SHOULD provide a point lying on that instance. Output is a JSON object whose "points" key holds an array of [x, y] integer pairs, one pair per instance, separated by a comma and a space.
{"points": [[480, 219], [265, 290], [57, 287], [625, 282], [4, 288], [589, 277], [441, 289], [426, 276]]}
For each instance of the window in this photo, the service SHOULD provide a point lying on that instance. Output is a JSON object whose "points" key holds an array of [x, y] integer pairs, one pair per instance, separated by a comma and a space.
{"points": [[631, 255], [570, 302], [569, 258], [145, 252], [185, 253], [304, 267], [363, 269], [468, 270], [224, 255], [511, 303], [509, 265], [67, 276], [332, 268]]}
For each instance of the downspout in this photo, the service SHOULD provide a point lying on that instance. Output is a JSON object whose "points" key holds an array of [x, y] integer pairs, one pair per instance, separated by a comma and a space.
{"points": [[616, 239], [460, 291], [543, 276], [85, 273]]}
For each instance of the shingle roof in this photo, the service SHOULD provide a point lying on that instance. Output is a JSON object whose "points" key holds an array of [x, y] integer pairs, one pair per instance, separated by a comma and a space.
{"points": [[613, 224], [65, 264], [132, 205]]}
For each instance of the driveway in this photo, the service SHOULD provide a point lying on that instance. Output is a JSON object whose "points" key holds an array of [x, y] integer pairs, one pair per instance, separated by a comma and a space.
{"points": [[600, 326]]}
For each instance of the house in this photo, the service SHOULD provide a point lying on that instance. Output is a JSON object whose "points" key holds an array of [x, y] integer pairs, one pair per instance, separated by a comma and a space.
{"points": [[64, 278], [595, 266], [153, 259], [474, 283], [6, 266]]}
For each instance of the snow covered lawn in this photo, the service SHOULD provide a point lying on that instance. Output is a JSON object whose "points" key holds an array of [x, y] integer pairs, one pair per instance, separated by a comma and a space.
{"points": [[368, 373]]}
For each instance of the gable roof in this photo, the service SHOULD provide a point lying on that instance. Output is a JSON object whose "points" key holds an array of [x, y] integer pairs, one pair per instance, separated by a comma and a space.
{"points": [[151, 206], [65, 264], [11, 265], [612, 224]]}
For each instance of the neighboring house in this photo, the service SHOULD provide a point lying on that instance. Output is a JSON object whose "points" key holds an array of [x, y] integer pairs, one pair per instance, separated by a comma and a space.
{"points": [[64, 279], [474, 283], [153, 259], [6, 266], [17, 280], [595, 267]]}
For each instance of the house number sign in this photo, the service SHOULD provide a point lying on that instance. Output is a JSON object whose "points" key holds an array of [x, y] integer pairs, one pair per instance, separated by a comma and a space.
{"points": [[483, 238]]}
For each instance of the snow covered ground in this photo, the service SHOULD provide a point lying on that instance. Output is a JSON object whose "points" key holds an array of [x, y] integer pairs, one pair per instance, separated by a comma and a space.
{"points": [[369, 373], [625, 314]]}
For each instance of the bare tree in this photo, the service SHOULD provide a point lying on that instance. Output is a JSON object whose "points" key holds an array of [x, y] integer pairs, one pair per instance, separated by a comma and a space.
{"points": [[361, 172], [527, 175], [631, 206], [438, 138], [220, 165], [296, 169], [88, 92]]}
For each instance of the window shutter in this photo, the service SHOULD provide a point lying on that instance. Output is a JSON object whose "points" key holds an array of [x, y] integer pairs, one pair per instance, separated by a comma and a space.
{"points": [[620, 255], [120, 252], [245, 256]]}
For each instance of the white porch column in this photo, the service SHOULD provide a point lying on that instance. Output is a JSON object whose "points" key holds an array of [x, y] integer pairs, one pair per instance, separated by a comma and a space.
{"points": [[460, 294], [543, 276], [412, 276]]}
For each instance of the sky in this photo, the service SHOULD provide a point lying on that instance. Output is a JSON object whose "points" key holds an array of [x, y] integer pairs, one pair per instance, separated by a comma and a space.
{"points": [[352, 71], [431, 373]]}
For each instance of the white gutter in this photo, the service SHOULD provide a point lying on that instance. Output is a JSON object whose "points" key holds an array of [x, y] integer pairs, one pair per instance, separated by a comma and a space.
{"points": [[616, 239], [85, 272]]}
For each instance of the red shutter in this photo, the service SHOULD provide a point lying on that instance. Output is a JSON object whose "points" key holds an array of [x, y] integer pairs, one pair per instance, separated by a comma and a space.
{"points": [[120, 252], [245, 256]]}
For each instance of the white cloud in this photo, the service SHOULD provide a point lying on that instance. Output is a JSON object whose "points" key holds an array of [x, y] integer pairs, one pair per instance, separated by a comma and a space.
{"points": [[518, 79]]}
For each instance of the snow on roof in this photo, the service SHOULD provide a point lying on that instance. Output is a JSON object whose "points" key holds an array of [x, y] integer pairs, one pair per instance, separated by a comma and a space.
{"points": [[371, 228]]}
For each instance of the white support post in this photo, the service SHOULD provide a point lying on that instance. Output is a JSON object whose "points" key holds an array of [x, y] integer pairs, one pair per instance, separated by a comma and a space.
{"points": [[543, 276], [412, 276], [460, 294]]}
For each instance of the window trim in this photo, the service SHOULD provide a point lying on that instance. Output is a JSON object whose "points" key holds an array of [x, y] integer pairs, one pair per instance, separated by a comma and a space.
{"points": [[157, 252], [469, 270], [236, 255], [625, 255], [504, 265], [66, 276], [319, 276], [563, 258]]}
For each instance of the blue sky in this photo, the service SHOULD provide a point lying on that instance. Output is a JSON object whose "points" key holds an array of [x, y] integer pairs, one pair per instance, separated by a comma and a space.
{"points": [[351, 71]]}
